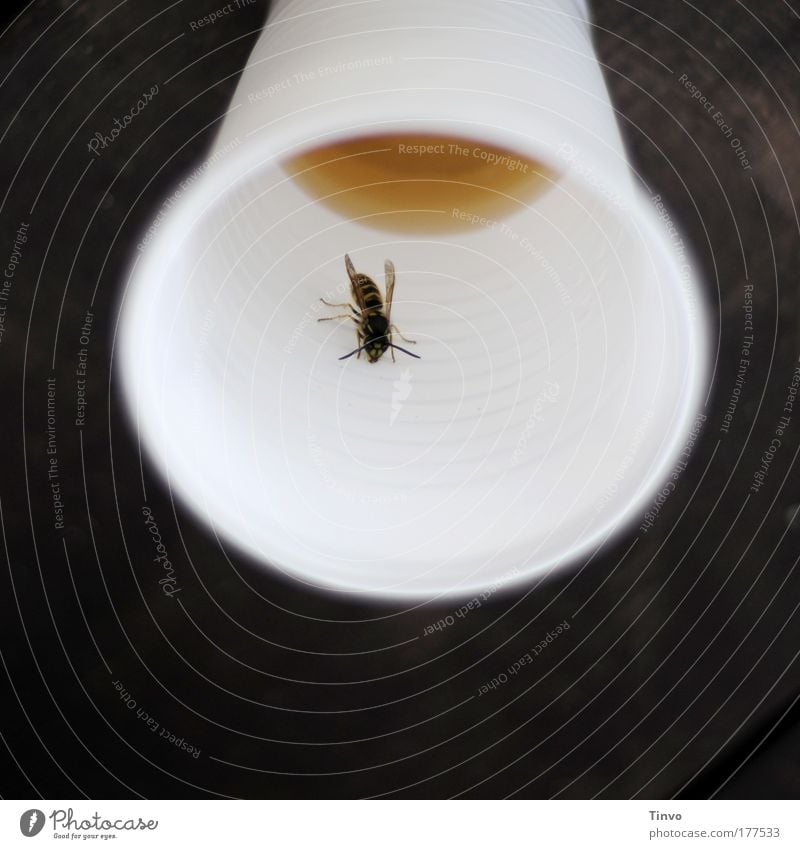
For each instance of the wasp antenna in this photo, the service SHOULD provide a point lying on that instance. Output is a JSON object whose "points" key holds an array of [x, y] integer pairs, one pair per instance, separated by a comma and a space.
{"points": [[347, 356], [416, 356]]}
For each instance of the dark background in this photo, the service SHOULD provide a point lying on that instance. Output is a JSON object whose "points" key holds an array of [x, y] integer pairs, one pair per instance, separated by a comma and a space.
{"points": [[679, 673]]}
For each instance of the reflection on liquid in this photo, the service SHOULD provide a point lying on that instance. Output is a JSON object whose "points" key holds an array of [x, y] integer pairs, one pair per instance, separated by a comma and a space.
{"points": [[421, 184]]}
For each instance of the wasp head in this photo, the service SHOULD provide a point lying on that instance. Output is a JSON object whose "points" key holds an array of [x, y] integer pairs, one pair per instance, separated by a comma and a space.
{"points": [[376, 340]]}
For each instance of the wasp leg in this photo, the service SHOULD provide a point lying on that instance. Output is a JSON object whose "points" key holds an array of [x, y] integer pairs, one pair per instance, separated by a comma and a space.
{"points": [[354, 313], [329, 304], [394, 329]]}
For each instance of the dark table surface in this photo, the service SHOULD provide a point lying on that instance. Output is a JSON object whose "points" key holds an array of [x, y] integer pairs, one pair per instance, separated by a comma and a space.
{"points": [[680, 668]]}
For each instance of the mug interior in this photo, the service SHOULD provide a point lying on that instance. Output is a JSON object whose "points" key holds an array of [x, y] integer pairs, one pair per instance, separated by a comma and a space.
{"points": [[561, 359]]}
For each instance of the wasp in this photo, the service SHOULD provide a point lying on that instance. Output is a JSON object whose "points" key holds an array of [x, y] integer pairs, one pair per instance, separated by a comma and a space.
{"points": [[372, 316]]}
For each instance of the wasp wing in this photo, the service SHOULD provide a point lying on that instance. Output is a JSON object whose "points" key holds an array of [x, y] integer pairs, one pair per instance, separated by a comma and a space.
{"points": [[355, 285], [389, 269]]}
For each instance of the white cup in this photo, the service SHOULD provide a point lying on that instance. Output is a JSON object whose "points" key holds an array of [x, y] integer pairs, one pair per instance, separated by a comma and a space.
{"points": [[563, 346]]}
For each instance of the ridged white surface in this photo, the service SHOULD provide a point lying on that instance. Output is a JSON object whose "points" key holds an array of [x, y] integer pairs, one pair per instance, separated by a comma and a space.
{"points": [[556, 381]]}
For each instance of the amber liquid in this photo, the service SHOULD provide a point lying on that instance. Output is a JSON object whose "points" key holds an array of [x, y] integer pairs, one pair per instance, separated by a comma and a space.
{"points": [[421, 184]]}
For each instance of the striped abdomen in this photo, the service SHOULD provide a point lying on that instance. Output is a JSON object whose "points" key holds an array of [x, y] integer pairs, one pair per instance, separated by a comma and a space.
{"points": [[370, 295]]}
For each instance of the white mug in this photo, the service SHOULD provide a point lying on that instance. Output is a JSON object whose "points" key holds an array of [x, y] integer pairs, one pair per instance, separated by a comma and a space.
{"points": [[561, 344]]}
